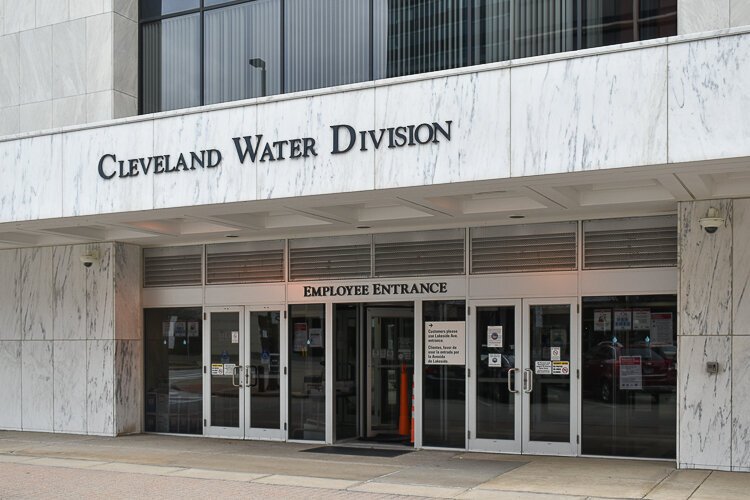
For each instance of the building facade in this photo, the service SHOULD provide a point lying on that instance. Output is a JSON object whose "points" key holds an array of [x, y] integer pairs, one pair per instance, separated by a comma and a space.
{"points": [[510, 226]]}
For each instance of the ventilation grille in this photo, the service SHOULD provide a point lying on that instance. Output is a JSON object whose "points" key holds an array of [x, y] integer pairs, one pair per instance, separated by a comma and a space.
{"points": [[427, 253], [528, 248], [630, 243], [172, 266], [261, 262], [328, 258]]}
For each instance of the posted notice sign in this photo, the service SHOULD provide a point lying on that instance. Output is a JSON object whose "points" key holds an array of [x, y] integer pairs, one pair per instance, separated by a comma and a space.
{"points": [[445, 343]]}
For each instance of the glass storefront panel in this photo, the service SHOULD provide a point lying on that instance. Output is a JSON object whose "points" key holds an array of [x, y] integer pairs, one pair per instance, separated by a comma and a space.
{"points": [[174, 370], [346, 334], [225, 350], [444, 387], [629, 376], [307, 372], [265, 376]]}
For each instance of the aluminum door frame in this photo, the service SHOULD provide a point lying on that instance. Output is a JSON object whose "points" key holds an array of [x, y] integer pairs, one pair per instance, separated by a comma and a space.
{"points": [[279, 434], [542, 447], [210, 430]]}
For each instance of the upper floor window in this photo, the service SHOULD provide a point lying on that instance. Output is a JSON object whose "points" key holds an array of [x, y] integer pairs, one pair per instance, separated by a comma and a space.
{"points": [[196, 52]]}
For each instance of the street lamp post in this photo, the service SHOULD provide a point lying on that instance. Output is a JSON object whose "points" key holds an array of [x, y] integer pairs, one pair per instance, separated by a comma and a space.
{"points": [[260, 64]]}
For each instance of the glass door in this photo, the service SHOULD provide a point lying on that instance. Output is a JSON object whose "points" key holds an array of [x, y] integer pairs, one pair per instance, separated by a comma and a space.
{"points": [[522, 369], [264, 374], [495, 376], [224, 397], [549, 376]]}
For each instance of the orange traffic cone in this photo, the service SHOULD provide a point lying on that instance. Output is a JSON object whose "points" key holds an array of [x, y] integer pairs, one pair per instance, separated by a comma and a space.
{"points": [[403, 418]]}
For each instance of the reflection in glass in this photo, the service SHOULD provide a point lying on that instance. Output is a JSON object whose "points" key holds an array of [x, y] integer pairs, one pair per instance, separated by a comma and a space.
{"points": [[264, 370], [242, 51], [174, 370], [346, 371], [225, 351], [444, 387], [155, 8], [610, 23], [549, 404], [629, 376], [327, 43], [495, 408], [307, 372], [491, 31]]}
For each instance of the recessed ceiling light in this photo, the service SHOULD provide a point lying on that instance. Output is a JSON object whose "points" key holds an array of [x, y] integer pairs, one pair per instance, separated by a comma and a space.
{"points": [[232, 236], [517, 216], [363, 227]]}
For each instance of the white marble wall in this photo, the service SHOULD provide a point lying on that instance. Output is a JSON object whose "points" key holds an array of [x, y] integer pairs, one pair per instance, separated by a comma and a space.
{"points": [[694, 16], [70, 340], [714, 412], [66, 62]]}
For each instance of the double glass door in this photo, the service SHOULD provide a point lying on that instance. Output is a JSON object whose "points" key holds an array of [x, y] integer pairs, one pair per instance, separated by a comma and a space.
{"points": [[244, 372], [522, 385]]}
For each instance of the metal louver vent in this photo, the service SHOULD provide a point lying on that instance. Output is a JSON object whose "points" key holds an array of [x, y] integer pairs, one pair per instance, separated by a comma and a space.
{"points": [[329, 258], [425, 253], [524, 248], [630, 243], [177, 266], [252, 262]]}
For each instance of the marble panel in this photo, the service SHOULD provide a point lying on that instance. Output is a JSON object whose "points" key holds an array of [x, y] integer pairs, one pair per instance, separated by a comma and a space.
{"points": [[708, 101], [127, 8], [741, 267], [705, 412], [33, 187], [313, 117], [126, 55], [99, 54], [128, 386], [36, 70], [86, 8], [705, 271], [100, 290], [36, 293], [100, 407], [70, 386], [740, 12], [478, 106], [741, 402], [10, 384], [69, 277], [69, 58], [19, 15], [123, 105], [231, 180], [69, 111], [695, 16], [99, 106], [10, 292], [84, 191], [37, 385], [2, 17], [581, 114], [10, 118], [128, 280], [10, 70], [52, 11], [35, 117]]}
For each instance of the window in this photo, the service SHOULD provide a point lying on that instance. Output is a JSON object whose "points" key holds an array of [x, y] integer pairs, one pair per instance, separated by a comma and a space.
{"points": [[307, 372]]}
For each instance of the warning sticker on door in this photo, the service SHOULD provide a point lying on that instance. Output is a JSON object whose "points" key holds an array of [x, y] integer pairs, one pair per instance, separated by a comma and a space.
{"points": [[554, 353], [543, 367], [560, 368], [228, 368], [494, 360], [217, 369]]}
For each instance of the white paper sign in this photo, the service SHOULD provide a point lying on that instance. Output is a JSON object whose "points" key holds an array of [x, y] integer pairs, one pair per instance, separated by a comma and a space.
{"points": [[495, 360], [217, 369], [543, 367], [622, 320], [228, 368], [445, 343], [560, 368], [494, 336], [235, 337], [641, 319], [554, 353], [661, 328], [631, 375], [602, 320], [316, 337]]}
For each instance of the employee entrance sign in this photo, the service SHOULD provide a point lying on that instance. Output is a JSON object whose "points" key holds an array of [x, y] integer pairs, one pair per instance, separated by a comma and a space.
{"points": [[445, 343]]}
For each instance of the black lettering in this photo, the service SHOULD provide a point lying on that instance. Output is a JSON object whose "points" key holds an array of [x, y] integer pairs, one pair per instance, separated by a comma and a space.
{"points": [[214, 158], [443, 287], [166, 165], [181, 162], [404, 289], [146, 166], [122, 170], [400, 134], [411, 136], [424, 288], [376, 142], [308, 143], [442, 131], [430, 133], [336, 145], [158, 164], [197, 160], [307, 291], [296, 149], [132, 168], [267, 153], [279, 145], [250, 150], [363, 140], [391, 141], [316, 292], [101, 167]]}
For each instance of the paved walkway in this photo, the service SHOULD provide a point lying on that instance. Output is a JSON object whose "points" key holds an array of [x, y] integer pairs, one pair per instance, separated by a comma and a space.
{"points": [[153, 467]]}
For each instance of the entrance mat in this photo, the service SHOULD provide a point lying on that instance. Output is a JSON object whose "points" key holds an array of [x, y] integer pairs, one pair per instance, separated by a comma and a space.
{"points": [[359, 452]]}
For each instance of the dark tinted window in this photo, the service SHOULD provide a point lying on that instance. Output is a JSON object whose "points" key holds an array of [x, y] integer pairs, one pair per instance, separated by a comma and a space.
{"points": [[155, 8]]}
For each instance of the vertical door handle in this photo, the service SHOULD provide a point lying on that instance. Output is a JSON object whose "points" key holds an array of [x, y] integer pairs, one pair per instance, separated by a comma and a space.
{"points": [[512, 380], [235, 372], [253, 376], [248, 379], [528, 380]]}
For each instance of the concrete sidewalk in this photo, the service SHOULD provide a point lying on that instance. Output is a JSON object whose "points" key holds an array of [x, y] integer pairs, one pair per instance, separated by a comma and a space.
{"points": [[150, 466]]}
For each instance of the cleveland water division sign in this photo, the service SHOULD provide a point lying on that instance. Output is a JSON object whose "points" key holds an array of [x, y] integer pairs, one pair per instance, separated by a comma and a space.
{"points": [[257, 148]]}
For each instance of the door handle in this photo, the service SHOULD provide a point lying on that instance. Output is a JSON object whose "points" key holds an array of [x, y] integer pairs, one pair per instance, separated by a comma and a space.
{"points": [[253, 376], [528, 380], [235, 372], [512, 380]]}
